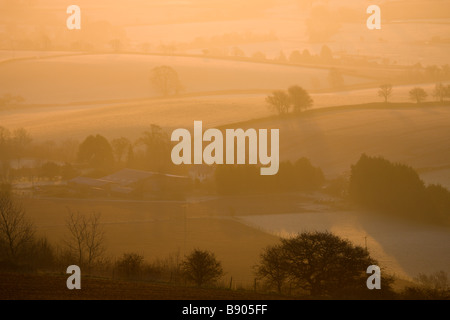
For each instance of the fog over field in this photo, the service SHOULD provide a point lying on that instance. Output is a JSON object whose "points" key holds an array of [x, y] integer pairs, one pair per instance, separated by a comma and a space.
{"points": [[363, 116], [102, 77]]}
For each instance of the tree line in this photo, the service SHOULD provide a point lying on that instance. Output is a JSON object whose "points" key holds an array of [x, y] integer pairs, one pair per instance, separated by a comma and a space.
{"points": [[298, 176], [396, 189], [67, 159], [296, 99], [417, 94]]}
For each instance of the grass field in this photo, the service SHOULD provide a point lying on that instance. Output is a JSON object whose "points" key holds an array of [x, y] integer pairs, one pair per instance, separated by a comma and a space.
{"points": [[335, 138], [157, 230], [238, 228], [124, 76]]}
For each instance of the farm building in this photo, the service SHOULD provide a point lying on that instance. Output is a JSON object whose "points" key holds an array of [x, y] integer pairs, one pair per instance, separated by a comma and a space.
{"points": [[134, 184]]}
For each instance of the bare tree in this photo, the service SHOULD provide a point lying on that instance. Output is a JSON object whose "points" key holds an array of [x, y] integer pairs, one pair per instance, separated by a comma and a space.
{"points": [[273, 267], [418, 94], [435, 286], [94, 241], [16, 232], [75, 240], [279, 101], [385, 91], [438, 281], [440, 92], [85, 239], [165, 80]]}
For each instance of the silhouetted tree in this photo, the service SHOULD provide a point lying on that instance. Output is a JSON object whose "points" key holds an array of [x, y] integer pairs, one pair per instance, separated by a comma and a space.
{"points": [[321, 263], [385, 91], [97, 152], [238, 179], [438, 202], [8, 99], [165, 80], [279, 101], [282, 57], [435, 286], [299, 98], [440, 92], [308, 177], [130, 265], [295, 57], [324, 264], [85, 240], [16, 232], [273, 268], [378, 184], [418, 94], [201, 267], [437, 281], [306, 55], [433, 72]]}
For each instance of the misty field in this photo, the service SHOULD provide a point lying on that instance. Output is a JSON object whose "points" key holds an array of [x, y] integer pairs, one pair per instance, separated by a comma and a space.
{"points": [[335, 138], [131, 118], [91, 78], [332, 139], [238, 228], [159, 230]]}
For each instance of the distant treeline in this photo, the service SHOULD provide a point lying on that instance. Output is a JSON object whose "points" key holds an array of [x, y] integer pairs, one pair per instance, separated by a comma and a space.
{"points": [[95, 156], [298, 176], [396, 189]]}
